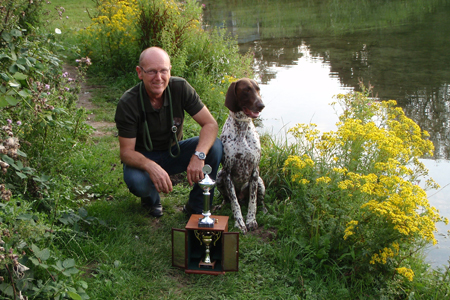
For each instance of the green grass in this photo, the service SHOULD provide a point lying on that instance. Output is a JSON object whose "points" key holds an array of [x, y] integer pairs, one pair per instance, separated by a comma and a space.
{"points": [[76, 15], [130, 257], [128, 254]]}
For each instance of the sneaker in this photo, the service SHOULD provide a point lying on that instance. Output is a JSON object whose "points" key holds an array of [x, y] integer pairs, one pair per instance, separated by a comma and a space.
{"points": [[155, 211]]}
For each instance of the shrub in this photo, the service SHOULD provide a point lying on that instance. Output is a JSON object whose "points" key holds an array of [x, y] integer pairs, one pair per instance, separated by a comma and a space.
{"points": [[19, 14], [210, 61], [39, 96], [356, 196]]}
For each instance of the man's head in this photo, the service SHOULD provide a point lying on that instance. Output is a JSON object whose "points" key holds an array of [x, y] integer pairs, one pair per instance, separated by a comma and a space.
{"points": [[154, 70]]}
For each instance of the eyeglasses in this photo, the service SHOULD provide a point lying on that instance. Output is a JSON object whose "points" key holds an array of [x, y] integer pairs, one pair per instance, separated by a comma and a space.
{"points": [[154, 72]]}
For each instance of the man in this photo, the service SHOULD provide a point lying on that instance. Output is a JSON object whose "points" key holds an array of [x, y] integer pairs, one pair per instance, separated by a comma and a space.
{"points": [[149, 118]]}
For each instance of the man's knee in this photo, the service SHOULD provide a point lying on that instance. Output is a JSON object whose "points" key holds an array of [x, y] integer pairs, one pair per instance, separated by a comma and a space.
{"points": [[137, 181], [216, 152]]}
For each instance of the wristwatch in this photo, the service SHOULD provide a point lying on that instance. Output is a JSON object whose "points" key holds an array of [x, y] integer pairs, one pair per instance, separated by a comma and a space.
{"points": [[200, 155]]}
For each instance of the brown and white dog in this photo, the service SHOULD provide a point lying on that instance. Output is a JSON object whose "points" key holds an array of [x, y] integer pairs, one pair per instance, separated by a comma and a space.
{"points": [[239, 176]]}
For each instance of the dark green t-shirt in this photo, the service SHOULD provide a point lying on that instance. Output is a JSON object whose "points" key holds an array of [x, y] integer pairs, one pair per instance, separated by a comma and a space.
{"points": [[130, 117]]}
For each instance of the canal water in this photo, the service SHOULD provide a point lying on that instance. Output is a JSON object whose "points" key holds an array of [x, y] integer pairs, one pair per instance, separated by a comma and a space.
{"points": [[308, 51]]}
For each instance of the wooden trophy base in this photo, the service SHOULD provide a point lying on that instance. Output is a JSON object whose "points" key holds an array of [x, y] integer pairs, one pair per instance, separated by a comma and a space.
{"points": [[204, 265]]}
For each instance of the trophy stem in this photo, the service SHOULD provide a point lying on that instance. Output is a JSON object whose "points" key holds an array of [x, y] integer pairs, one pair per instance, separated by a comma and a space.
{"points": [[206, 200], [206, 184]]}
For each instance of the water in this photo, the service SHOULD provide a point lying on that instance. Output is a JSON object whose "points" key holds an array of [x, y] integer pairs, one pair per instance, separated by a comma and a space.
{"points": [[308, 51]]}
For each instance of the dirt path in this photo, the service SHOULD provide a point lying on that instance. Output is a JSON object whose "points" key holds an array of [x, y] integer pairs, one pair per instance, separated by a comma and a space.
{"points": [[84, 100]]}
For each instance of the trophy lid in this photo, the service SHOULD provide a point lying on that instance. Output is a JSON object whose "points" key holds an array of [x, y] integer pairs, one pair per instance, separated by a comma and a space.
{"points": [[207, 182]]}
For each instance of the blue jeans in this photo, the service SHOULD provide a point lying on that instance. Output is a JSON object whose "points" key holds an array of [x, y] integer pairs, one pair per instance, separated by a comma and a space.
{"points": [[139, 183]]}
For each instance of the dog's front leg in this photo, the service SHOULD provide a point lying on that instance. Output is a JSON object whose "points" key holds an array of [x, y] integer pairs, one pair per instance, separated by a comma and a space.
{"points": [[230, 193], [251, 223]]}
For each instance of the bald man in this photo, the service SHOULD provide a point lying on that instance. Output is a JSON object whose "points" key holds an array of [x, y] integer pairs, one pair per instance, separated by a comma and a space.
{"points": [[149, 118]]}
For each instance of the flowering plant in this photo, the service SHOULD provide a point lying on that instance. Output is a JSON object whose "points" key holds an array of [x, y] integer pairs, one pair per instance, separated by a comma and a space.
{"points": [[357, 187]]}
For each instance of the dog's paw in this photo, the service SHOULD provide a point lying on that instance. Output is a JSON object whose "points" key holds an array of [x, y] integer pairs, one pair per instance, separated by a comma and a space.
{"points": [[264, 210], [240, 224], [252, 225], [217, 207]]}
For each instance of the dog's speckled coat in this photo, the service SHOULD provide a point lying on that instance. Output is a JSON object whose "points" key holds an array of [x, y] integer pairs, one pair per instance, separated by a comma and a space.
{"points": [[239, 176]]}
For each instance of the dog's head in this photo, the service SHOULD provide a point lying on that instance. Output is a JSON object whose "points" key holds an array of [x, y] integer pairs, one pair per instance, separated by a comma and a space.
{"points": [[243, 95]]}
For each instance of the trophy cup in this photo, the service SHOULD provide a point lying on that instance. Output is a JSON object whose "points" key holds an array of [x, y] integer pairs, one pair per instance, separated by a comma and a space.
{"points": [[217, 250], [207, 237], [206, 184]]}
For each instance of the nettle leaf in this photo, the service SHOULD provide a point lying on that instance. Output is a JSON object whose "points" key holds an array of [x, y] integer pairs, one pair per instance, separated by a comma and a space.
{"points": [[21, 153], [69, 263], [21, 175], [14, 84], [2, 55], [83, 212], [3, 102], [35, 248], [22, 61], [58, 266], [7, 289], [74, 296], [4, 76], [34, 261], [24, 217], [7, 159], [83, 284], [13, 68], [11, 100], [20, 76], [25, 93], [44, 254], [19, 164], [43, 178], [70, 272], [6, 36], [16, 32]]}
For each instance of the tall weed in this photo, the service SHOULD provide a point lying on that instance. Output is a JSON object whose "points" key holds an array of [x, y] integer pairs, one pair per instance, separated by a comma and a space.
{"points": [[356, 199]]}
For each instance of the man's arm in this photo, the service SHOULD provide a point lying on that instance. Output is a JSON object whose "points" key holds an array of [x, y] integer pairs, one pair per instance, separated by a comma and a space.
{"points": [[208, 135], [134, 159]]}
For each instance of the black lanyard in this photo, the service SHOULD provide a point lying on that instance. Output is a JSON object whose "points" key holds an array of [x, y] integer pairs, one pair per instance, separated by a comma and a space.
{"points": [[146, 134]]}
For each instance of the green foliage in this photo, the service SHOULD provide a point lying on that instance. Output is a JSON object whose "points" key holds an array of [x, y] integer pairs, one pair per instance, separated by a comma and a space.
{"points": [[39, 100], [25, 260], [355, 191], [210, 61], [54, 237], [19, 14]]}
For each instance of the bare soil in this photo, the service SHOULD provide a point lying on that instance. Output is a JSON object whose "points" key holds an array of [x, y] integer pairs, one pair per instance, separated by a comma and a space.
{"points": [[84, 100]]}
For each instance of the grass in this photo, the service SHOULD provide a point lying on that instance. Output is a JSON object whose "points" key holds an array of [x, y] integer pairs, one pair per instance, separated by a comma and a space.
{"points": [[130, 257], [74, 17], [127, 255]]}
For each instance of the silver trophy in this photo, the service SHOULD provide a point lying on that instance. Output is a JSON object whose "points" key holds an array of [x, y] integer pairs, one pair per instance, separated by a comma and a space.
{"points": [[206, 184]]}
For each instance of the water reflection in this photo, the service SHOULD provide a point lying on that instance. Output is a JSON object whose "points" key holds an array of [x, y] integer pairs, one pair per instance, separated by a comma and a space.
{"points": [[403, 55], [307, 51]]}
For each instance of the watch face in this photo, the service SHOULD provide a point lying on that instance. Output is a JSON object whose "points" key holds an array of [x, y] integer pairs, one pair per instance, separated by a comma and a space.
{"points": [[200, 155]]}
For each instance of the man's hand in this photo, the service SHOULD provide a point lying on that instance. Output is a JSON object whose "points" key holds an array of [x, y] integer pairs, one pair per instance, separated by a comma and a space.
{"points": [[195, 170], [132, 158], [160, 178]]}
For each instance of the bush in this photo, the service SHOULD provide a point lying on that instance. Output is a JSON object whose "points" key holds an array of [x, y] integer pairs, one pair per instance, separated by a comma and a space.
{"points": [[19, 14], [210, 61], [356, 197]]}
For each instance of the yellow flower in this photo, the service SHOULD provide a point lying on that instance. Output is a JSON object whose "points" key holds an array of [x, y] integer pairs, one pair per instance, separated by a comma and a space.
{"points": [[406, 272]]}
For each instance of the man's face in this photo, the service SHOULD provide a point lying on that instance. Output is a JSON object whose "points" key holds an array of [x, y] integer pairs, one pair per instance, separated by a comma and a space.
{"points": [[154, 71]]}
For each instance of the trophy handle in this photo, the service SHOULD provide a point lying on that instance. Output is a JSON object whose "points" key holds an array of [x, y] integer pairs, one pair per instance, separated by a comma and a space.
{"points": [[217, 237], [198, 236]]}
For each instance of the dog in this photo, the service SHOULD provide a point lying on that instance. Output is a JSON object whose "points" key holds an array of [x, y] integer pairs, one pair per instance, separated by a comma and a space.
{"points": [[239, 175]]}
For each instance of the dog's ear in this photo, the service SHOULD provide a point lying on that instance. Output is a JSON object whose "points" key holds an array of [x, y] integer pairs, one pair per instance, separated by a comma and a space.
{"points": [[230, 98]]}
